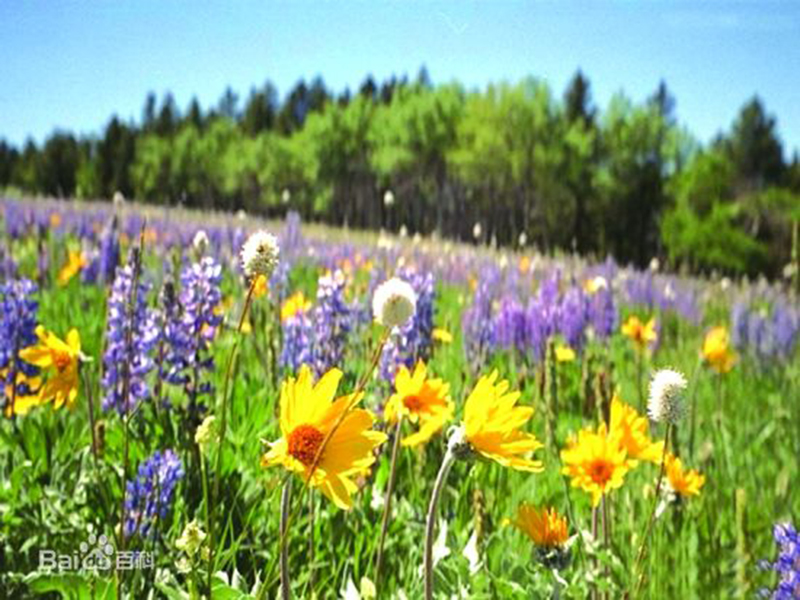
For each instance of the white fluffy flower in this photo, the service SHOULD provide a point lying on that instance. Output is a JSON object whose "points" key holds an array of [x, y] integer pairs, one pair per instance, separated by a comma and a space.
{"points": [[666, 396], [260, 254], [388, 198], [200, 241], [394, 302], [477, 231]]}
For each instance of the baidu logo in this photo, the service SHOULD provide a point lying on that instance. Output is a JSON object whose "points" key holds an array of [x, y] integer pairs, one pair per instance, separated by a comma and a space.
{"points": [[95, 554]]}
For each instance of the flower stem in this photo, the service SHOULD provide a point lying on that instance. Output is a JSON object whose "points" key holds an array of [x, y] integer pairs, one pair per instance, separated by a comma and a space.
{"points": [[387, 502], [90, 405], [651, 519], [286, 500], [206, 500], [224, 424], [430, 522], [639, 371], [693, 402]]}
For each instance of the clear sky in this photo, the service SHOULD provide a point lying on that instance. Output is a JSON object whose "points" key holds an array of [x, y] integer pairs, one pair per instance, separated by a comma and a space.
{"points": [[73, 64]]}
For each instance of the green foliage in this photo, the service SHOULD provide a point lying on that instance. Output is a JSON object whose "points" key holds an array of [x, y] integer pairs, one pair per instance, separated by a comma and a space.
{"points": [[512, 157], [711, 241]]}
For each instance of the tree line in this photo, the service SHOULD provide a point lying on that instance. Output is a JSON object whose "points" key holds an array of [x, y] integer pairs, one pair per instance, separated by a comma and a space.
{"points": [[527, 165]]}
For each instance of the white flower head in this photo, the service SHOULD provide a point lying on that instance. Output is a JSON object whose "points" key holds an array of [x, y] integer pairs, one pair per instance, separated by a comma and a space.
{"points": [[403, 231], [477, 231], [206, 433], [388, 198], [666, 396], [191, 539], [394, 302], [286, 196], [523, 239], [260, 254], [118, 199], [200, 241]]}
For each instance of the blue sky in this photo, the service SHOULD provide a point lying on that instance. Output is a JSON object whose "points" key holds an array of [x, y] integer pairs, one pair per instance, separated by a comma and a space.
{"points": [[72, 64]]}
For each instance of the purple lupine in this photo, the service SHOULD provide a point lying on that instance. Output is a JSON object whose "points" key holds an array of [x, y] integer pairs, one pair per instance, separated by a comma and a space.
{"points": [[413, 341], [189, 331], [8, 268], [785, 329], [109, 252], [18, 311], [148, 498], [786, 565], [573, 317], [542, 317], [603, 313], [509, 325], [131, 334], [297, 341], [331, 319], [476, 322], [765, 334]]}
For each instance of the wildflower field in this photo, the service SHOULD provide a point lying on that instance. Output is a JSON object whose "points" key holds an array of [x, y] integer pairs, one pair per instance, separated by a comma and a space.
{"points": [[206, 405]]}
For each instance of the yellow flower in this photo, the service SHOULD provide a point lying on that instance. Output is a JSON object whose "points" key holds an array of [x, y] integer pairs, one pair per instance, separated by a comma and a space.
{"points": [[641, 334], [564, 353], [442, 335], [22, 403], [544, 526], [631, 430], [75, 263], [492, 423], [60, 361], [685, 483], [296, 304], [55, 220], [717, 352], [260, 286], [308, 414], [420, 400], [595, 462]]}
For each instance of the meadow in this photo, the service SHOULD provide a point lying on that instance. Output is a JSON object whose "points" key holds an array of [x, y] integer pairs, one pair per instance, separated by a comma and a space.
{"points": [[167, 428]]}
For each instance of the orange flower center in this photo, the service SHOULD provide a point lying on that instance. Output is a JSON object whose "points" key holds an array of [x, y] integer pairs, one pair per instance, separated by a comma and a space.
{"points": [[601, 471], [412, 403], [304, 443], [61, 360]]}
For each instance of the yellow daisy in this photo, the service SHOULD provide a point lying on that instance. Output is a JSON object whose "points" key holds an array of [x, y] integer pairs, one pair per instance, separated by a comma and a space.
{"points": [[685, 483], [595, 462], [296, 304], [260, 286], [309, 413], [641, 334], [544, 526], [441, 335], [420, 400], [717, 352], [492, 422], [75, 263], [60, 361], [564, 353], [631, 430]]}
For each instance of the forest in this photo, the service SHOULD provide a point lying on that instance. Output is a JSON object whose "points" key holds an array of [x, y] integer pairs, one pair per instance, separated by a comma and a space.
{"points": [[512, 164]]}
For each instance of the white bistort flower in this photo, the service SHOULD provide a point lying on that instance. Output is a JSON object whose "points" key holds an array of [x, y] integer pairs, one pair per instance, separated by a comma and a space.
{"points": [[394, 302], [260, 254], [666, 396], [200, 241]]}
